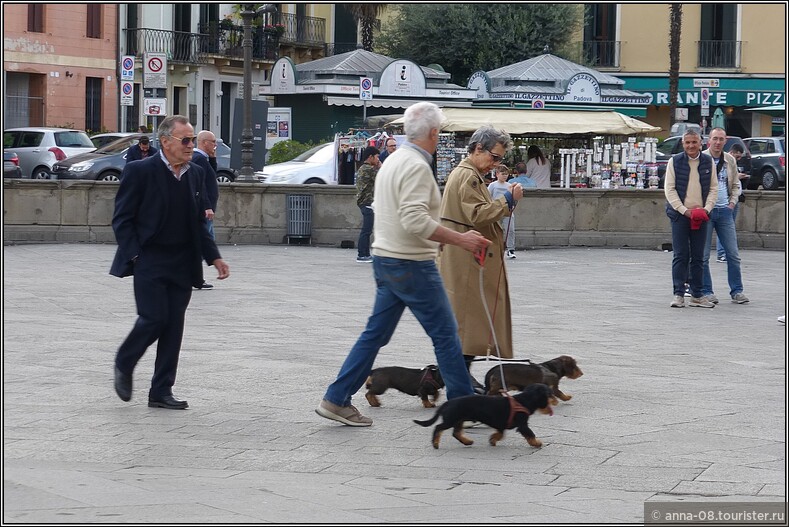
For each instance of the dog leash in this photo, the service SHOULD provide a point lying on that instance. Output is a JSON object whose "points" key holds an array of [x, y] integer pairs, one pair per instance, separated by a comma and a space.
{"points": [[480, 257]]}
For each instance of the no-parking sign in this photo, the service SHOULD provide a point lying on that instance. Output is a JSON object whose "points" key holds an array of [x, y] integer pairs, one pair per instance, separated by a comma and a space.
{"points": [[127, 68], [127, 93], [366, 88]]}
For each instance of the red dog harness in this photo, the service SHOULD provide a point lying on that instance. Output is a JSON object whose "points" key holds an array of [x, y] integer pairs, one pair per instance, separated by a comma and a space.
{"points": [[428, 378], [515, 409]]}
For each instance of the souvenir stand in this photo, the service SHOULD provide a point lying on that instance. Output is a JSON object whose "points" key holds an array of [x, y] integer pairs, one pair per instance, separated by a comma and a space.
{"points": [[349, 149], [585, 149]]}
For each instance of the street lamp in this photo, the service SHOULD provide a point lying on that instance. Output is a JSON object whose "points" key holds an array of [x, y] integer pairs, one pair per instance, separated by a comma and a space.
{"points": [[247, 143]]}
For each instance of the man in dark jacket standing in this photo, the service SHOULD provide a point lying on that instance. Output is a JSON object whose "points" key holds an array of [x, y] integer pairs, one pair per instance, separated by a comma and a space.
{"points": [[141, 150], [205, 157], [159, 224], [691, 188]]}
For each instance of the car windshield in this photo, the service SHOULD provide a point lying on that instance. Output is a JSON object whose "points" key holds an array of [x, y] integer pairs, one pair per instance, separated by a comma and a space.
{"points": [[73, 139], [117, 146], [318, 154]]}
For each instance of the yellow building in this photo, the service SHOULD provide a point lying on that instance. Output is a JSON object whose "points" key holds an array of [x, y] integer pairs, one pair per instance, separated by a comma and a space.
{"points": [[731, 55]]}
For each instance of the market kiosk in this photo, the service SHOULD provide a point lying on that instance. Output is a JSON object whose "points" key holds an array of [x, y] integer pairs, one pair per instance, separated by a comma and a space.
{"points": [[602, 149]]}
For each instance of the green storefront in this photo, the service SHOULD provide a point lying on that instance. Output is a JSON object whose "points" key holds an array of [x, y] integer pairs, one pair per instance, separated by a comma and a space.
{"points": [[735, 96]]}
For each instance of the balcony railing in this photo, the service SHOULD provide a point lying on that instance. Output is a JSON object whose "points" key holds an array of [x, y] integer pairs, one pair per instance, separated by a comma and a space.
{"points": [[302, 30], [195, 48], [719, 53], [221, 39], [601, 53]]}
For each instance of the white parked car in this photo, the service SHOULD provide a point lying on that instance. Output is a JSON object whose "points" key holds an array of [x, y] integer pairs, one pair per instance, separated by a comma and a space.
{"points": [[316, 165], [39, 148]]}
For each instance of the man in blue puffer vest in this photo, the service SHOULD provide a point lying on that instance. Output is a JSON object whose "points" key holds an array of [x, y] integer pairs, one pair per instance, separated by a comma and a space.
{"points": [[691, 188]]}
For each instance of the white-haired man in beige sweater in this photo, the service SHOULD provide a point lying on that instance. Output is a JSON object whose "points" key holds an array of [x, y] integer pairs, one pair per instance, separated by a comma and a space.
{"points": [[407, 238]]}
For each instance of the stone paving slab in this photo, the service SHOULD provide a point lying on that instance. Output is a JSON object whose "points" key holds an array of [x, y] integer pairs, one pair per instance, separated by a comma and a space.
{"points": [[675, 404]]}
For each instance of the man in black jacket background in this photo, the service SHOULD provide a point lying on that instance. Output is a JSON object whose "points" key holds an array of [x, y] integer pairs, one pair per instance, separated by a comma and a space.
{"points": [[205, 157]]}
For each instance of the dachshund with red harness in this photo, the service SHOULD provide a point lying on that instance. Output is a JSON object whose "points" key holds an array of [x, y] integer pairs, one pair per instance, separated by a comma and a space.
{"points": [[499, 413]]}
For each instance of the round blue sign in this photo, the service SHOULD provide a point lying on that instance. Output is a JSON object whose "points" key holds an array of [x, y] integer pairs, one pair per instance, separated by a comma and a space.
{"points": [[127, 88], [367, 84], [128, 64]]}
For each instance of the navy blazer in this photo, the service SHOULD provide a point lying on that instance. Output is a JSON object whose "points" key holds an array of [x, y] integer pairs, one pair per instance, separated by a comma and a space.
{"points": [[211, 185], [140, 210], [134, 153]]}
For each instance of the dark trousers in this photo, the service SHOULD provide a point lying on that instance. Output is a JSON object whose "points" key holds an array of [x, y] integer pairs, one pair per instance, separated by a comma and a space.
{"points": [[688, 247], [162, 290], [368, 217]]}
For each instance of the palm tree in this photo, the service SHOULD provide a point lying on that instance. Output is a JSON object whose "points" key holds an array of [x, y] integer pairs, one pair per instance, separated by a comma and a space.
{"points": [[675, 30], [366, 15]]}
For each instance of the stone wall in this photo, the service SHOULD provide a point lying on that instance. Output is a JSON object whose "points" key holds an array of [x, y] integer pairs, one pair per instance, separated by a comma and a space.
{"points": [[249, 213]]}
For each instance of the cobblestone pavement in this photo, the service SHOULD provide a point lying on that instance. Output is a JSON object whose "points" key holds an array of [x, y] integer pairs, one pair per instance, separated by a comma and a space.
{"points": [[674, 405]]}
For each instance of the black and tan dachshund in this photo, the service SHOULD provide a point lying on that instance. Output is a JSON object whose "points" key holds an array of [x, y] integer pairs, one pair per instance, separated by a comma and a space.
{"points": [[423, 383], [519, 376], [499, 413]]}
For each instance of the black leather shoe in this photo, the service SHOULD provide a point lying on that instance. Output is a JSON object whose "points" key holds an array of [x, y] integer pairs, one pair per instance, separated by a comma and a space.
{"points": [[206, 285], [167, 401], [123, 385]]}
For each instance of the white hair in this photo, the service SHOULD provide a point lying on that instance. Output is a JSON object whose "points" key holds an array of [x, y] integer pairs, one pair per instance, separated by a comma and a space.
{"points": [[420, 119]]}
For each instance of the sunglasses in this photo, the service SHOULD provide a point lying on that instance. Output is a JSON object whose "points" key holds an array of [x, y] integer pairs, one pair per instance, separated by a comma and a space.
{"points": [[496, 157], [185, 140]]}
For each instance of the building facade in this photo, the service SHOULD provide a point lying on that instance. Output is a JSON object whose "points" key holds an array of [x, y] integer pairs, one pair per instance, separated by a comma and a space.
{"points": [[732, 58], [62, 62]]}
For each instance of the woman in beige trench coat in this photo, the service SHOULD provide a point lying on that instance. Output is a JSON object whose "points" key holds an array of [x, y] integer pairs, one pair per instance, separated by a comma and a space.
{"points": [[466, 205]]}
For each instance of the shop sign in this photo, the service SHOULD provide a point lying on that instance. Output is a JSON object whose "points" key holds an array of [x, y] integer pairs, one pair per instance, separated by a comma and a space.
{"points": [[582, 87], [479, 82], [721, 98]]}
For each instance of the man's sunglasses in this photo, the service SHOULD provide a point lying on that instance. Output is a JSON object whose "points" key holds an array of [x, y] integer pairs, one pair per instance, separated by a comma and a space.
{"points": [[185, 140]]}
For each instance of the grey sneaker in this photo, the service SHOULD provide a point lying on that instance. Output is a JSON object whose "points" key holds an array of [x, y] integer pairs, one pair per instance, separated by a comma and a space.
{"points": [[700, 302], [347, 415], [712, 298], [679, 301], [740, 298]]}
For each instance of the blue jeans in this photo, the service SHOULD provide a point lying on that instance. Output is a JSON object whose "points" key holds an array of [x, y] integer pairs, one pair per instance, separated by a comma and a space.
{"points": [[718, 244], [418, 286], [722, 220], [209, 226], [368, 217], [688, 246]]}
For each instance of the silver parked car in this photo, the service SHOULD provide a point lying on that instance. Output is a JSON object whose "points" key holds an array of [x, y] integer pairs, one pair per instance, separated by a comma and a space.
{"points": [[39, 148]]}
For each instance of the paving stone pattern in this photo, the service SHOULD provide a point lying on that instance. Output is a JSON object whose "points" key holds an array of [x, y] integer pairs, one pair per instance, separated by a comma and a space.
{"points": [[675, 404]]}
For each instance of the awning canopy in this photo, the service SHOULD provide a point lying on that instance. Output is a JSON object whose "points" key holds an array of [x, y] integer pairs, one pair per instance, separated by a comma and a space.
{"points": [[541, 122]]}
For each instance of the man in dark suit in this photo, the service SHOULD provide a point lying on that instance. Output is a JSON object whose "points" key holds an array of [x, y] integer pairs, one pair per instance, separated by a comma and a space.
{"points": [[159, 223], [205, 157], [141, 150]]}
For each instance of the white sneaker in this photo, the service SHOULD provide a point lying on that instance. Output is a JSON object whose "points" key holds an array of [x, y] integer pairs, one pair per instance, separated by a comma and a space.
{"points": [[679, 301], [782, 319], [740, 298], [510, 254]]}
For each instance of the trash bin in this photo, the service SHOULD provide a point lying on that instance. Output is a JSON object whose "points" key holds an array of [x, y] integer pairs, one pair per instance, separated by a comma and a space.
{"points": [[299, 211]]}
